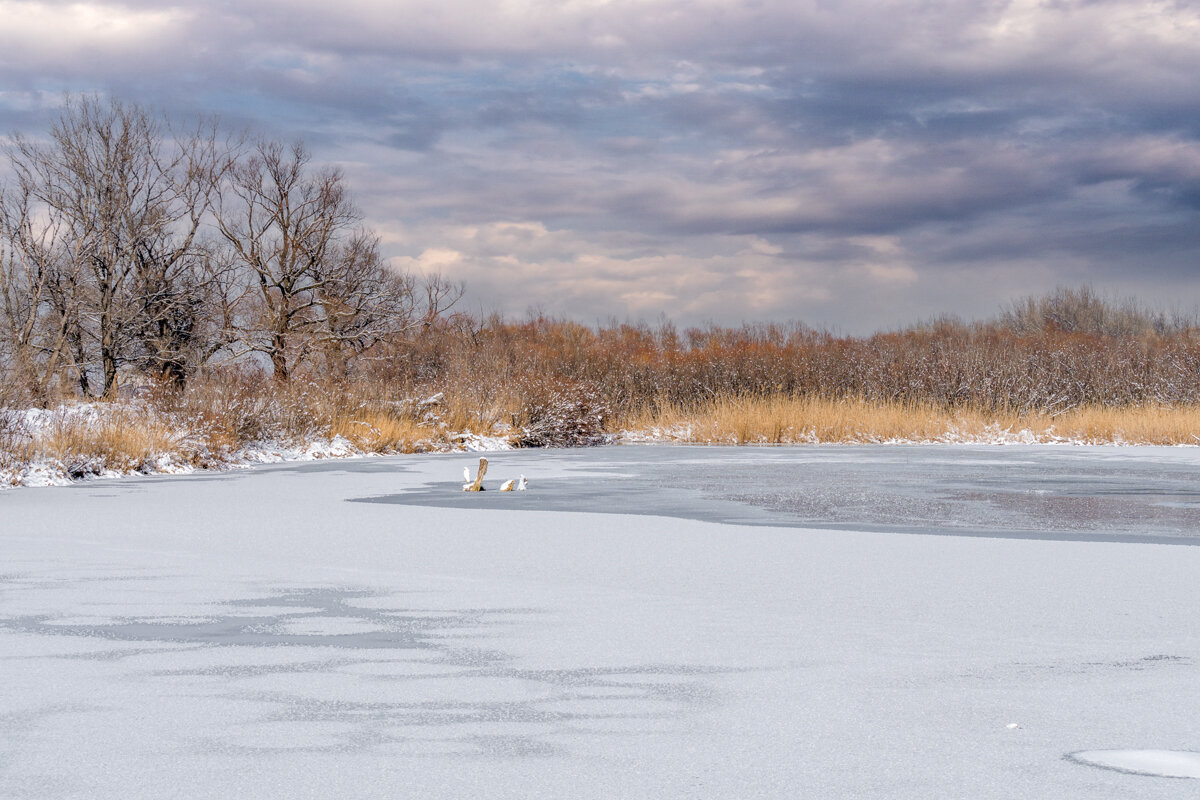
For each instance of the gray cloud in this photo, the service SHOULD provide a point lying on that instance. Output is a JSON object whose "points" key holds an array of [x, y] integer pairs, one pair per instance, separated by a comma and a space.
{"points": [[853, 163]]}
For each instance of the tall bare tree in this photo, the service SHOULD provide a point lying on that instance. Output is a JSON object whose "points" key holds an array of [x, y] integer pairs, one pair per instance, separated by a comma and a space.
{"points": [[35, 261], [321, 285], [185, 311], [131, 196], [105, 263], [283, 221]]}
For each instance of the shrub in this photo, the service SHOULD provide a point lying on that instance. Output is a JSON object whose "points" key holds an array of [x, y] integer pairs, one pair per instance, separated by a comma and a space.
{"points": [[570, 415]]}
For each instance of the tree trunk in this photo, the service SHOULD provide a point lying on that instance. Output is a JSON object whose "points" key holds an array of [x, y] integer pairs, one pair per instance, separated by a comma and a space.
{"points": [[279, 363]]}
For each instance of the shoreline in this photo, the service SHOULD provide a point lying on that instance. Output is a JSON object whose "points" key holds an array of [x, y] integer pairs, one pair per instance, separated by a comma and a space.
{"points": [[52, 472]]}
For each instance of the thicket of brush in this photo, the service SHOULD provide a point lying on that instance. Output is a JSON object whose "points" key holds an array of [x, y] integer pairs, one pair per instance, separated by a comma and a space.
{"points": [[217, 294], [1070, 365], [1050, 354]]}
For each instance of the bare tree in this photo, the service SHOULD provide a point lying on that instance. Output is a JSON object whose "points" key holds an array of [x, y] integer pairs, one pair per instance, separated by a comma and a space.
{"points": [[361, 301], [364, 301], [283, 223], [321, 284], [106, 264], [185, 311], [441, 295], [35, 260], [131, 198]]}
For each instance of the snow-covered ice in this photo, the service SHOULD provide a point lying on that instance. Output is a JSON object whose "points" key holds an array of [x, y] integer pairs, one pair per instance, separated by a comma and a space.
{"points": [[1156, 763], [644, 622]]}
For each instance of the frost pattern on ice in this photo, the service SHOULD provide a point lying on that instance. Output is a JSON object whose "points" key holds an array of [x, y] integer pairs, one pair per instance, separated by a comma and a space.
{"points": [[339, 670]]}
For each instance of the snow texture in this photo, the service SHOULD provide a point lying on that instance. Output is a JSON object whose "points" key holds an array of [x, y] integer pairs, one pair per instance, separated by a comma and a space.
{"points": [[363, 628], [1157, 763]]}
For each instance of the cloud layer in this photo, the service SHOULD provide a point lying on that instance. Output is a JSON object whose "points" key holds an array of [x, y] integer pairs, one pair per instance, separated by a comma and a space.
{"points": [[859, 164]]}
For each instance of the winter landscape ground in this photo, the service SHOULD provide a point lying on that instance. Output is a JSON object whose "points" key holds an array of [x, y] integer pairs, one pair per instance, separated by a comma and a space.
{"points": [[644, 622]]}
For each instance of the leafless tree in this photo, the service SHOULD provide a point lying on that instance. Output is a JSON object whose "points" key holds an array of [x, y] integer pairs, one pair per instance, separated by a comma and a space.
{"points": [[365, 301], [321, 284], [127, 244], [131, 197], [360, 301], [185, 311], [35, 261], [440, 295], [283, 221]]}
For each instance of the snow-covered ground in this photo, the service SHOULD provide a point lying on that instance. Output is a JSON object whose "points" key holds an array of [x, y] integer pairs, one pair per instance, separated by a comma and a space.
{"points": [[715, 623], [34, 425]]}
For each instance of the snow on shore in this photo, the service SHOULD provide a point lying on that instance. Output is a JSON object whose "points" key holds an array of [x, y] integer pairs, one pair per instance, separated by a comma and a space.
{"points": [[31, 426], [26, 429]]}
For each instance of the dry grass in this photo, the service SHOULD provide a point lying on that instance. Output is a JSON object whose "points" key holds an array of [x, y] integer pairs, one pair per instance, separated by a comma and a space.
{"points": [[121, 439], [1165, 425], [381, 431], [781, 419], [216, 420], [234, 410]]}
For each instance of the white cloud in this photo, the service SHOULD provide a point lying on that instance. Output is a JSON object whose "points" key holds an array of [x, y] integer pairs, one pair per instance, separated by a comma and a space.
{"points": [[43, 32]]}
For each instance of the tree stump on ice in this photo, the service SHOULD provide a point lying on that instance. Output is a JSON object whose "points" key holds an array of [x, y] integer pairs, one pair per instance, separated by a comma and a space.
{"points": [[477, 486]]}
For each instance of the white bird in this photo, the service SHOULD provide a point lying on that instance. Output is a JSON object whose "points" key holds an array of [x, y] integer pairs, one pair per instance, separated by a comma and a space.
{"points": [[522, 485], [467, 474]]}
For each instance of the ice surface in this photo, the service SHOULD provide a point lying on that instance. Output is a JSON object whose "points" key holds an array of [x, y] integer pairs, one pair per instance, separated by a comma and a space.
{"points": [[1158, 763], [730, 623], [1076, 493]]}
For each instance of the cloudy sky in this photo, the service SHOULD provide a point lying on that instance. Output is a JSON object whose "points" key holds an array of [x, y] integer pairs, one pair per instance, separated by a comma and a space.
{"points": [[845, 163]]}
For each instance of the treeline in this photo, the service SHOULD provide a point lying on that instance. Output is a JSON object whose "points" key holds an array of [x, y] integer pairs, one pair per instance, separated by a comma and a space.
{"points": [[131, 247], [1069, 349], [134, 252]]}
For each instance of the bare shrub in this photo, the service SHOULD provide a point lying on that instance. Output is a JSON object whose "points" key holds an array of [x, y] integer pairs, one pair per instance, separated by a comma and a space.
{"points": [[1083, 310], [561, 415]]}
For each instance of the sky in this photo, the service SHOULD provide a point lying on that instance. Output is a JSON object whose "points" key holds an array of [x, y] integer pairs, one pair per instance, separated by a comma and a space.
{"points": [[852, 165]]}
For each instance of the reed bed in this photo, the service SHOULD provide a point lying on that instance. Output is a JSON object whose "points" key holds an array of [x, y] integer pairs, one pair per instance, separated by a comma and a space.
{"points": [[780, 419], [145, 437]]}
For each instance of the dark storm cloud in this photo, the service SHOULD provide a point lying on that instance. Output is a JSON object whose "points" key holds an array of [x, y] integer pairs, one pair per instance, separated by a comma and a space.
{"points": [[857, 163]]}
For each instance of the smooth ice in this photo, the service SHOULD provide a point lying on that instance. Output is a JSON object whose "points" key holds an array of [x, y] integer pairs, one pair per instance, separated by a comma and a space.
{"points": [[644, 622]]}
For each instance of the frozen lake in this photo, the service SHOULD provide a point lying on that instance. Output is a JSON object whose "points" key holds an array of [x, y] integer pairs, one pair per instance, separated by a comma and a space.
{"points": [[645, 622]]}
